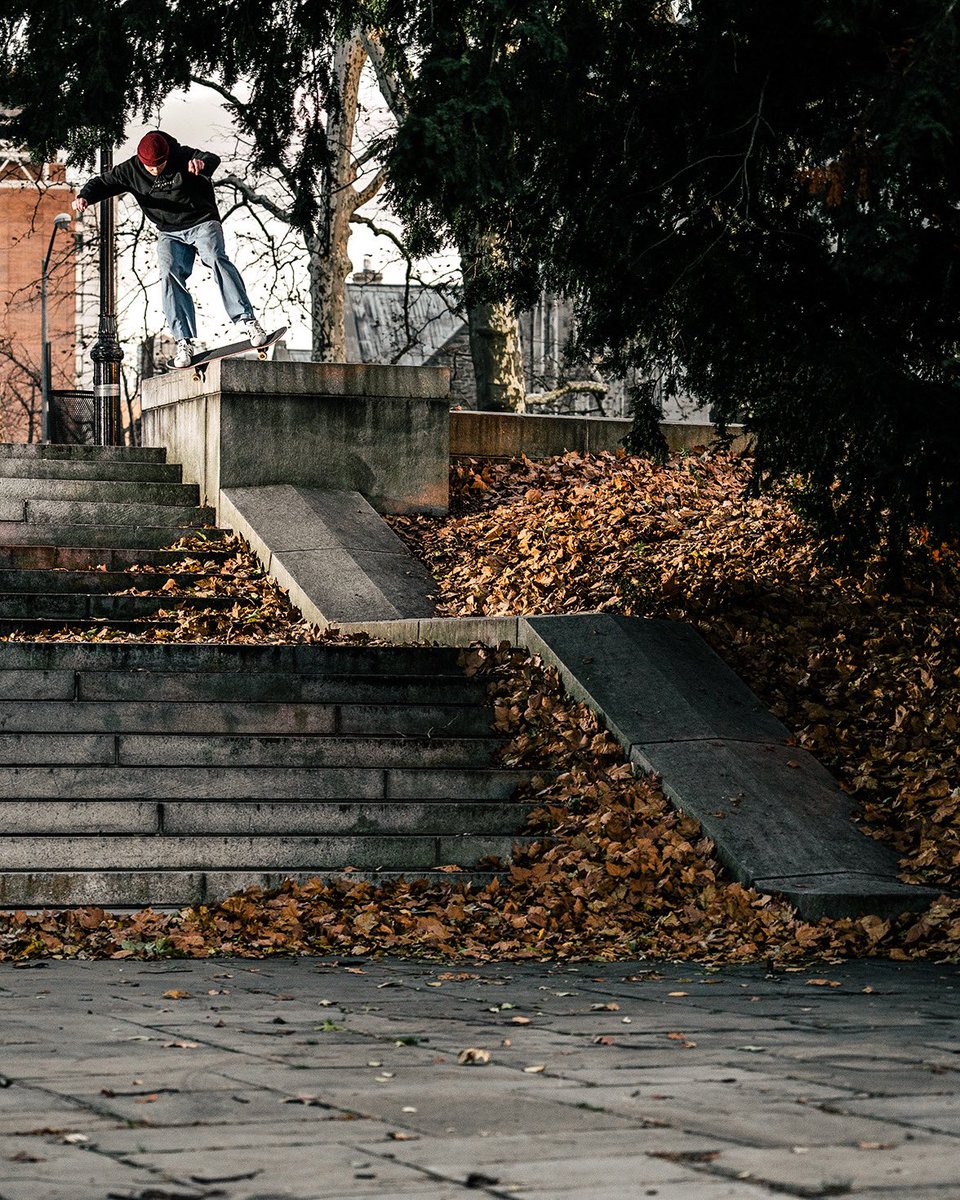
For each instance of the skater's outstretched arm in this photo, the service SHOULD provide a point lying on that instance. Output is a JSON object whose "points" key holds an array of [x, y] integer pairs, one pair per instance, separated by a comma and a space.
{"points": [[100, 187]]}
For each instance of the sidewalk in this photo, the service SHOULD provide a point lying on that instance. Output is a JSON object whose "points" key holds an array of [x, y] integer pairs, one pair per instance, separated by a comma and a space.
{"points": [[313, 1080]]}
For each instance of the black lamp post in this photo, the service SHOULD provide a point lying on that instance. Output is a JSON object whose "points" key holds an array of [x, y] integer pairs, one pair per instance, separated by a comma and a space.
{"points": [[107, 353], [59, 222]]}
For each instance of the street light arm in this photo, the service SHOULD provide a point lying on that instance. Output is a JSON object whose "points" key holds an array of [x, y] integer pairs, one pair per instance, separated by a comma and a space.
{"points": [[59, 220]]}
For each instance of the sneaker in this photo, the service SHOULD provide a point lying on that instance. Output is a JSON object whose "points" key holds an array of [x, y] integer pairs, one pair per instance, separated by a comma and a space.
{"points": [[255, 331], [184, 354]]}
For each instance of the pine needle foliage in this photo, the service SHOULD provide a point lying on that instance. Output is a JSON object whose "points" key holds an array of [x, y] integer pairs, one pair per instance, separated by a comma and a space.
{"points": [[754, 203]]}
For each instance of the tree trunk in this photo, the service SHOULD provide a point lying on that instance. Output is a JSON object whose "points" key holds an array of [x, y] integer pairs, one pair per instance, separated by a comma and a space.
{"points": [[494, 332], [328, 337], [497, 363], [330, 264]]}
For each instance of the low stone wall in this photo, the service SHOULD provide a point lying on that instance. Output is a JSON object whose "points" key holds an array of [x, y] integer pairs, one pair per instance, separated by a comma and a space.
{"points": [[508, 435], [380, 431]]}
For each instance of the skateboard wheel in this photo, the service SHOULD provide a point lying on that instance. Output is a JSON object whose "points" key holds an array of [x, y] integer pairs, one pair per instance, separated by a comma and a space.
{"points": [[261, 354], [197, 376]]}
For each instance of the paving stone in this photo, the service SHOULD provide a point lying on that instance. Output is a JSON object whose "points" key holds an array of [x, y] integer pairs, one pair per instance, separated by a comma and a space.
{"points": [[877, 1078], [318, 1169], [583, 1175], [938, 1112], [699, 1189], [233, 1106], [469, 1107], [169, 1141], [770, 1117], [922, 1162], [64, 1167]]}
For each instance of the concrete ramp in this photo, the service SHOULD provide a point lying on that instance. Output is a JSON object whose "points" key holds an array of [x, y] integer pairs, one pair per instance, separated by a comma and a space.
{"points": [[778, 818], [335, 555]]}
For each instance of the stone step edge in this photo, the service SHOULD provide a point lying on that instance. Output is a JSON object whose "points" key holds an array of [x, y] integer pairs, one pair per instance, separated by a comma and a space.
{"points": [[130, 891], [302, 658], [63, 450], [263, 852], [82, 578]]}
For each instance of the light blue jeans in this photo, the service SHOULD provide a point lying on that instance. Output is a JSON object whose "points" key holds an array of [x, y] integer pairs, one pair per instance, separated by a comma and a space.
{"points": [[176, 254]]}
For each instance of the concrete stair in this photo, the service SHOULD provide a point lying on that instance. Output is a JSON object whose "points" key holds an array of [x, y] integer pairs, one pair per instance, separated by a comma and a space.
{"points": [[81, 496], [165, 774], [65, 510], [171, 774]]}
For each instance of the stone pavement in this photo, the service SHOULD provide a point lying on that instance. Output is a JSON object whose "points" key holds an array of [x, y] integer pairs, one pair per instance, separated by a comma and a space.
{"points": [[319, 1080]]}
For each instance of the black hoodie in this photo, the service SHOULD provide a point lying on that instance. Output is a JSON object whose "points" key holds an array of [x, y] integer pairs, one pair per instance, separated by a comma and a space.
{"points": [[174, 200]]}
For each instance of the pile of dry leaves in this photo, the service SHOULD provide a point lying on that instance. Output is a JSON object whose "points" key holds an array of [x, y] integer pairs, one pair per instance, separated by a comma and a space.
{"points": [[868, 680]]}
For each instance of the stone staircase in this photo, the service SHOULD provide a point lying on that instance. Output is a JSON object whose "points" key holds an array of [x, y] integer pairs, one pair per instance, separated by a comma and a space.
{"points": [[148, 773]]}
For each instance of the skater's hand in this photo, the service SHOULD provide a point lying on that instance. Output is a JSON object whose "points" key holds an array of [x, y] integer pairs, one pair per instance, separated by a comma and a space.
{"points": [[195, 166], [79, 204]]}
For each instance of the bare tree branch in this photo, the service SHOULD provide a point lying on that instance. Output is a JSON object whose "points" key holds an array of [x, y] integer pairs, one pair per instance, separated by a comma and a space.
{"points": [[367, 194], [586, 385], [254, 197], [390, 83]]}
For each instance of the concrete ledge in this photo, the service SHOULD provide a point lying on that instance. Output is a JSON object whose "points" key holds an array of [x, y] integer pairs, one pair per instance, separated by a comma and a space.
{"points": [[845, 894], [508, 435], [337, 558], [380, 431], [250, 377], [442, 631]]}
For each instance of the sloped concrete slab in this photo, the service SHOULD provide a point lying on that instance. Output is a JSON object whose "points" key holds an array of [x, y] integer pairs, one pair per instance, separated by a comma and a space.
{"points": [[656, 681], [776, 815], [334, 554], [772, 810], [846, 892]]}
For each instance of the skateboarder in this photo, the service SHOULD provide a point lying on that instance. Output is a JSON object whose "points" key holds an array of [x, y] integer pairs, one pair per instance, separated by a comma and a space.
{"points": [[171, 183]]}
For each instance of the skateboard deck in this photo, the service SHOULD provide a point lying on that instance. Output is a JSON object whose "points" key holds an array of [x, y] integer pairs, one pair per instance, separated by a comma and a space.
{"points": [[199, 362]]}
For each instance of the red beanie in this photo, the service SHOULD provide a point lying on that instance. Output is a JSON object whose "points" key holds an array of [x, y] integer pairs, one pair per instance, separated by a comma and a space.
{"points": [[153, 149]]}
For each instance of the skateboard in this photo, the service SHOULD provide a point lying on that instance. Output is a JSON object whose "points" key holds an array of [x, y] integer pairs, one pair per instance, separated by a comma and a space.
{"points": [[198, 364]]}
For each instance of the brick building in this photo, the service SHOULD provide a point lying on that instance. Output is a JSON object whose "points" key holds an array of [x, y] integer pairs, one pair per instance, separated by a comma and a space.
{"points": [[31, 196]]}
